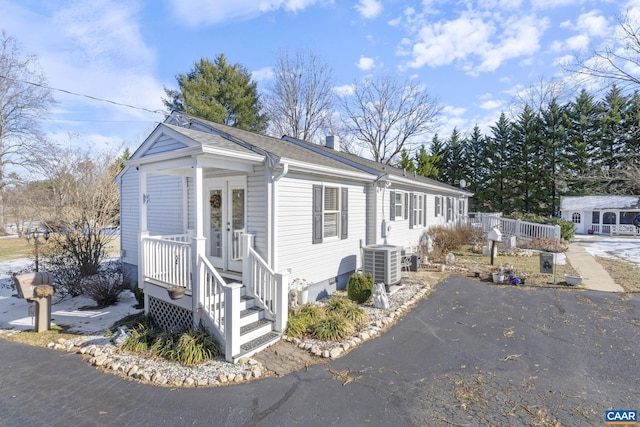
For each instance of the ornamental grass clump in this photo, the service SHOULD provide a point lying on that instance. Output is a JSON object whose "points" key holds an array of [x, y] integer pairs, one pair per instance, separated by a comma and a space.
{"points": [[333, 328], [187, 348], [335, 320]]}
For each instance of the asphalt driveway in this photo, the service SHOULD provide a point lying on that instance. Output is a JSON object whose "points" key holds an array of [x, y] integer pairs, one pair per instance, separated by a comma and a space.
{"points": [[469, 354]]}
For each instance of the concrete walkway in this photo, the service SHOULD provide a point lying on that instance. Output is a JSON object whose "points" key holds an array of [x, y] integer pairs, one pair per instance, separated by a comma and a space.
{"points": [[594, 276]]}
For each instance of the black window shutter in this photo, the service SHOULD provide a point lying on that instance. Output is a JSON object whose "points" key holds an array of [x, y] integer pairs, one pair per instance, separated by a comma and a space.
{"points": [[406, 205], [392, 205], [411, 210], [317, 214], [344, 214]]}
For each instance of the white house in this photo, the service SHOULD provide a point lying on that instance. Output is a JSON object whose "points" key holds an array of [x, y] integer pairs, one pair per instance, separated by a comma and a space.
{"points": [[601, 214], [231, 217]]}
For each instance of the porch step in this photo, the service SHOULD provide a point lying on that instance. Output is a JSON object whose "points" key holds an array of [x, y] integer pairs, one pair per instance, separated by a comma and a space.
{"points": [[257, 344], [255, 329]]}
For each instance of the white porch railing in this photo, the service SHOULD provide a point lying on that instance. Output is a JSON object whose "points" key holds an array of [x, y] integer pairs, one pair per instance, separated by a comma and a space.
{"points": [[616, 229], [167, 260], [211, 295], [521, 229], [270, 289]]}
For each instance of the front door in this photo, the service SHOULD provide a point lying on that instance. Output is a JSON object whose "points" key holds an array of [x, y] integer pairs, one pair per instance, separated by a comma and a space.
{"points": [[225, 222]]}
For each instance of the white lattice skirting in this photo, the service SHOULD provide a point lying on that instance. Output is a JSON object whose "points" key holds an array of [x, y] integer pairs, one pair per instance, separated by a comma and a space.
{"points": [[169, 316]]}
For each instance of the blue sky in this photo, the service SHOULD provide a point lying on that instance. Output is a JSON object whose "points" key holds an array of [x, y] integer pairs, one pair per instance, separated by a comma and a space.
{"points": [[474, 56]]}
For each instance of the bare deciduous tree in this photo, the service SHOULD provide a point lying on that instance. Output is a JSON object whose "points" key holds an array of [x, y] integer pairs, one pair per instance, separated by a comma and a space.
{"points": [[24, 101], [618, 59], [300, 100], [86, 201], [385, 116]]}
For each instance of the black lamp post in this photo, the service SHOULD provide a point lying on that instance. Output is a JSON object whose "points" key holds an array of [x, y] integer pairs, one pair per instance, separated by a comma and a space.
{"points": [[35, 235]]}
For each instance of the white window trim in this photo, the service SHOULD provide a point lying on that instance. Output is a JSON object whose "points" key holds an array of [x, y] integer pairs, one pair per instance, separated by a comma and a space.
{"points": [[418, 206], [401, 195], [336, 212]]}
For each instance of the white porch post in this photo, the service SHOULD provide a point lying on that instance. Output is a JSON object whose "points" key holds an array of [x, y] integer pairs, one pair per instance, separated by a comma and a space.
{"points": [[142, 229], [282, 301], [247, 271], [198, 242], [232, 320]]}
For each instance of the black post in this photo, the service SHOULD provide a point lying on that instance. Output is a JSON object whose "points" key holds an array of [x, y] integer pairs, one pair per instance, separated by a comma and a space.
{"points": [[493, 245]]}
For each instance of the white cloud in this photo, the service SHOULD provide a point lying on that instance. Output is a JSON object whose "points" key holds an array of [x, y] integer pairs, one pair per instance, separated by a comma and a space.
{"points": [[593, 24], [491, 104], [578, 42], [453, 111], [263, 74], [366, 64], [550, 4], [369, 8], [563, 60], [199, 12], [344, 90], [475, 43]]}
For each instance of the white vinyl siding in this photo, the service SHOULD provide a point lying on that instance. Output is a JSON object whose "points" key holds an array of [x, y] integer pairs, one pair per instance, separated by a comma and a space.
{"points": [[165, 209], [257, 215], [316, 262], [129, 216], [164, 144]]}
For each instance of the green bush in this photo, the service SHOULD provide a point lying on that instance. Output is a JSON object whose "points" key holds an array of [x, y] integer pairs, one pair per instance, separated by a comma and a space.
{"points": [[347, 309], [185, 347], [359, 287], [335, 320], [333, 328]]}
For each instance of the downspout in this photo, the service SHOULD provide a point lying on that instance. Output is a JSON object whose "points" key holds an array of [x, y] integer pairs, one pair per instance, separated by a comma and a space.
{"points": [[274, 217]]}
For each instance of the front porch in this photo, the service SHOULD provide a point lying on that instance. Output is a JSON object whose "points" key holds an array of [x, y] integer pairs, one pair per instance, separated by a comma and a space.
{"points": [[245, 316]]}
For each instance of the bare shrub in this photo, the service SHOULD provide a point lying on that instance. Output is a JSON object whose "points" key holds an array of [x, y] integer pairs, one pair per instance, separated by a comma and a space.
{"points": [[105, 287], [446, 239], [548, 244]]}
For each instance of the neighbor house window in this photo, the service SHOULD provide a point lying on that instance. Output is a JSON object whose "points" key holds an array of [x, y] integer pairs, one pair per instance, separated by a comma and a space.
{"points": [[330, 213], [627, 217], [461, 207], [595, 217], [438, 206], [576, 218]]}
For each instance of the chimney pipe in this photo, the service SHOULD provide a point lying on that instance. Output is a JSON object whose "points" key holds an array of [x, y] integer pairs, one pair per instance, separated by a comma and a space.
{"points": [[333, 142]]}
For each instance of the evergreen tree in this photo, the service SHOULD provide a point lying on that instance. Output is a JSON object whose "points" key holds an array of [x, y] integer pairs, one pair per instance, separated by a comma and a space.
{"points": [[406, 162], [610, 153], [553, 138], [220, 92], [476, 167], [498, 168], [526, 161], [453, 165], [426, 164], [439, 154], [580, 145]]}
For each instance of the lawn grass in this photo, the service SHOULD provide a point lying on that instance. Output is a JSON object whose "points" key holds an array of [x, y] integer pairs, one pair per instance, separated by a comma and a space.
{"points": [[14, 248]]}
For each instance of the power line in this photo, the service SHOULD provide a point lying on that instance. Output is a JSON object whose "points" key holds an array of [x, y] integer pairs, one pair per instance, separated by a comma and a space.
{"points": [[164, 113]]}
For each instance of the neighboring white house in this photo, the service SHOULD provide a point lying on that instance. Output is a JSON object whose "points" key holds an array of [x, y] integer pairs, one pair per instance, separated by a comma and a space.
{"points": [[233, 216], [601, 214]]}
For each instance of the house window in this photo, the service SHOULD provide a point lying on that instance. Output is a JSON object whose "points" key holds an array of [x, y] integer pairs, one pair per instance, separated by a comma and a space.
{"points": [[438, 206], [418, 203], [398, 205], [576, 218], [449, 209], [461, 207], [595, 217], [330, 213], [609, 218]]}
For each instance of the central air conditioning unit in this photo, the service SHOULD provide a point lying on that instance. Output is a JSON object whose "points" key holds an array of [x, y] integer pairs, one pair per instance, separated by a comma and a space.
{"points": [[383, 262]]}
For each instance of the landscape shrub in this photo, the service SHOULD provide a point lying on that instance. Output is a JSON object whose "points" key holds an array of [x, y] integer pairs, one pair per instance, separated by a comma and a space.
{"points": [[347, 309], [187, 348], [449, 239], [359, 287], [334, 320], [105, 287], [333, 328]]}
